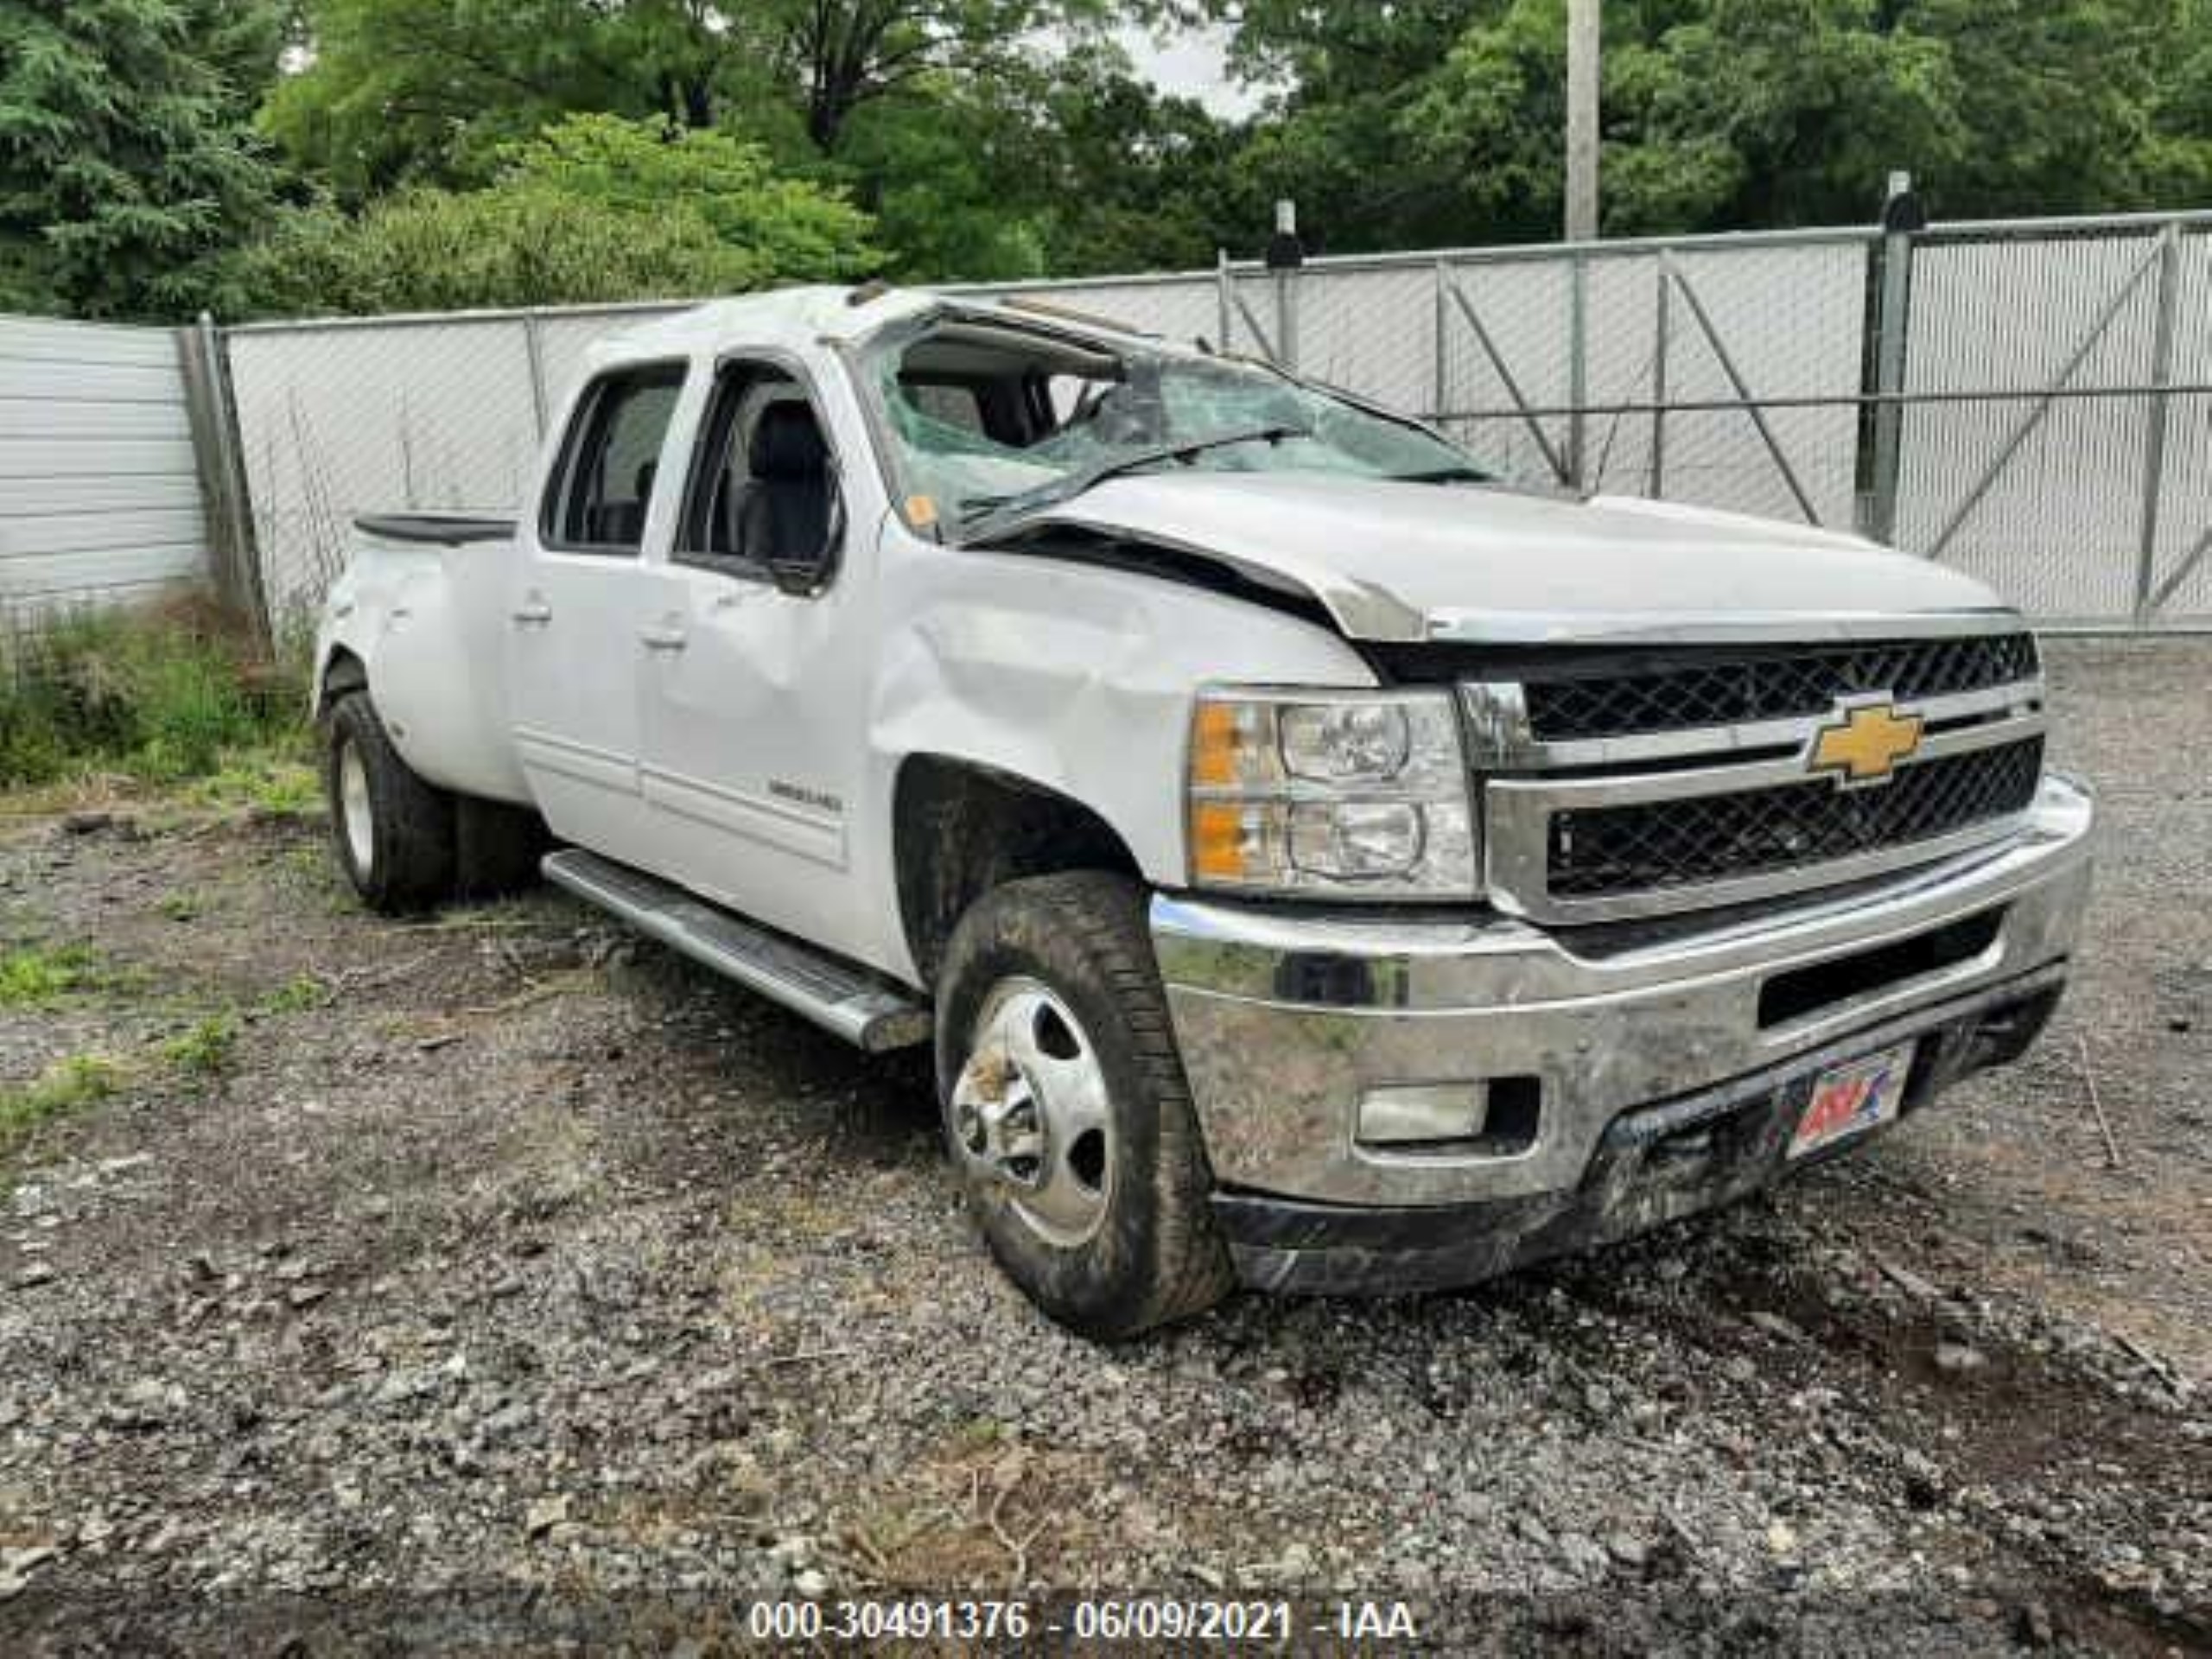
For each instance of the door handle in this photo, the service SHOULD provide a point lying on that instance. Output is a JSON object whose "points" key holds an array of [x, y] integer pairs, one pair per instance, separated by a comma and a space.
{"points": [[662, 639], [532, 614]]}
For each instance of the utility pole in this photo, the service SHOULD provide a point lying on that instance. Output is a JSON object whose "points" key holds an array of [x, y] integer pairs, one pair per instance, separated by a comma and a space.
{"points": [[1285, 253], [1582, 56]]}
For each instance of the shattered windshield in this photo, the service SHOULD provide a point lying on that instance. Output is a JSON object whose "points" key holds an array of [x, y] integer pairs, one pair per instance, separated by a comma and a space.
{"points": [[992, 420]]}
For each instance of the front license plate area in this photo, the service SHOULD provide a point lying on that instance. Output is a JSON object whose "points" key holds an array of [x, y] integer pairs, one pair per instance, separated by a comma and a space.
{"points": [[1850, 1099]]}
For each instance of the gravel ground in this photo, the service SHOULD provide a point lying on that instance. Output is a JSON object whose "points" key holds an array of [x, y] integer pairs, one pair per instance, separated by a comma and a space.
{"points": [[496, 1268]]}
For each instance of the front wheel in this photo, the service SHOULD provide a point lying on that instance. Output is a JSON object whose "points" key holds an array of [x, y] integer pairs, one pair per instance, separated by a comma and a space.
{"points": [[1065, 1109]]}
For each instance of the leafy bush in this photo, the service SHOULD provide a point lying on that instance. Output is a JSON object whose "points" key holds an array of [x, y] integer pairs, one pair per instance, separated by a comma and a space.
{"points": [[594, 208], [165, 695]]}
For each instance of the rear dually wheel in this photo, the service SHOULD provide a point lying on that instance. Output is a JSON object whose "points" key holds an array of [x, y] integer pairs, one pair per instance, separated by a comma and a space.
{"points": [[393, 832]]}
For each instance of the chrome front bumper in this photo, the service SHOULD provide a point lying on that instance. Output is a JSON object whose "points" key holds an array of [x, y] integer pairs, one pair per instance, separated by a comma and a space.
{"points": [[1286, 1020]]}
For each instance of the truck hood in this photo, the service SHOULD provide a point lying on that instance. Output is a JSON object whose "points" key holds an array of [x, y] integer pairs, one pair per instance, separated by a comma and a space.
{"points": [[1412, 561]]}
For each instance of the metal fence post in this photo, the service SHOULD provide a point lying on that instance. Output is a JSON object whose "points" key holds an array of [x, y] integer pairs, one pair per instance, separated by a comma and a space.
{"points": [[1656, 487], [1577, 353], [232, 545], [1440, 367], [2155, 419], [1221, 295], [1892, 323], [536, 356]]}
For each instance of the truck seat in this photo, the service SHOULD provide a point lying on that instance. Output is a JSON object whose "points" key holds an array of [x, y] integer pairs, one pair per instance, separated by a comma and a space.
{"points": [[784, 514]]}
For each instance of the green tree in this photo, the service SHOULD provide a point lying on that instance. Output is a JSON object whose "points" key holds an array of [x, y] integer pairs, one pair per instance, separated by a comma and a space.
{"points": [[951, 183], [395, 91], [2179, 152], [594, 208], [1434, 121], [1135, 182], [399, 90], [128, 165], [841, 55], [2055, 101], [1773, 112], [1061, 166]]}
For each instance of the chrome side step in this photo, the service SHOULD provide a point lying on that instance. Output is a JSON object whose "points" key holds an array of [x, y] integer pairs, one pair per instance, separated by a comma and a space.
{"points": [[864, 1010]]}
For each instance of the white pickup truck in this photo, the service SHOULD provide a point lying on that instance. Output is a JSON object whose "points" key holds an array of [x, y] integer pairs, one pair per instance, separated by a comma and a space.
{"points": [[1316, 861]]}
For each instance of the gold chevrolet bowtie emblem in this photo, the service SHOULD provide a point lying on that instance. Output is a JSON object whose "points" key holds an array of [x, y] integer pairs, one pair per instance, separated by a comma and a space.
{"points": [[1863, 745]]}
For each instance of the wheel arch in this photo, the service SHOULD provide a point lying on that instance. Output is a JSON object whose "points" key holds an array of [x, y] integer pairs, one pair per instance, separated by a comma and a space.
{"points": [[962, 826], [343, 670]]}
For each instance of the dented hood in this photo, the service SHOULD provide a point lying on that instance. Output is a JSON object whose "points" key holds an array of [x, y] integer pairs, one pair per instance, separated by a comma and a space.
{"points": [[1409, 561]]}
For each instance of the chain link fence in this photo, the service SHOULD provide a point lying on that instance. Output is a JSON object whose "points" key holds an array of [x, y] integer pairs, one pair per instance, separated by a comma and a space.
{"points": [[2029, 400]]}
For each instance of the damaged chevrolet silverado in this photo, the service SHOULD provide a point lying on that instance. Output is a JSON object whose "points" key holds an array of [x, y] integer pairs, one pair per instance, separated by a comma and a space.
{"points": [[1316, 861]]}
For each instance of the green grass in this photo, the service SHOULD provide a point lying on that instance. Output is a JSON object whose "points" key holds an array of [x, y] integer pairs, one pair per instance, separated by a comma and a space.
{"points": [[278, 781], [182, 906], [67, 1085], [165, 696], [36, 975], [296, 996], [206, 1049]]}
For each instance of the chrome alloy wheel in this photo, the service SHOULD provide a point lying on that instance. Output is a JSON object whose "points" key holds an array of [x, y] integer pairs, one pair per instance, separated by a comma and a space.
{"points": [[353, 808], [1030, 1113]]}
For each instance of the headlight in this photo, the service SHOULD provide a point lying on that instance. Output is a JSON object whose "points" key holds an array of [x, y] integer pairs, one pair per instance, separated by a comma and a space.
{"points": [[1361, 793]]}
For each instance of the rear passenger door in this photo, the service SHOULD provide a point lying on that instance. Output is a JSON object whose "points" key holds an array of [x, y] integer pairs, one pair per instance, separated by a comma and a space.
{"points": [[577, 620]]}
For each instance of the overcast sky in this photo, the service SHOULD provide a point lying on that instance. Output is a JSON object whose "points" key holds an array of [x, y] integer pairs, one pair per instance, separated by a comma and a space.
{"points": [[1188, 61]]}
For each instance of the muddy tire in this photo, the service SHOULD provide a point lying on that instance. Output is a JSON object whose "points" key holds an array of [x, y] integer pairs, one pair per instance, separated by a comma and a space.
{"points": [[497, 847], [393, 832], [1067, 1113]]}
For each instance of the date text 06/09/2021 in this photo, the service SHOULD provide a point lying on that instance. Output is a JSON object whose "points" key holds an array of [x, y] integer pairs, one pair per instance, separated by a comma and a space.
{"points": [[1139, 1619]]}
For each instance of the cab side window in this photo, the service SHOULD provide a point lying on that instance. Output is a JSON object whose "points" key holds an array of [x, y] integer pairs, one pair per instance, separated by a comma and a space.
{"points": [[763, 498], [600, 490]]}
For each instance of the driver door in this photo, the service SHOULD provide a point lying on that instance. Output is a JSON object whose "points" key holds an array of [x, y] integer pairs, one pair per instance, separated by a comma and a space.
{"points": [[755, 680]]}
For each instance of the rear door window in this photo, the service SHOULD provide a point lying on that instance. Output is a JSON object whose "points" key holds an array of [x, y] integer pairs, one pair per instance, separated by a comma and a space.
{"points": [[610, 462]]}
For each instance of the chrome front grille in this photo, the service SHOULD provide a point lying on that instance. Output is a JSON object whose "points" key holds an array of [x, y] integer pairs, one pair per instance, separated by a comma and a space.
{"points": [[1655, 846], [1717, 799], [1689, 687]]}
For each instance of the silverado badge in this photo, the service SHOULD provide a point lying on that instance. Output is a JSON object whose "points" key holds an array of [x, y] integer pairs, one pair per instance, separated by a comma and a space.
{"points": [[1864, 743]]}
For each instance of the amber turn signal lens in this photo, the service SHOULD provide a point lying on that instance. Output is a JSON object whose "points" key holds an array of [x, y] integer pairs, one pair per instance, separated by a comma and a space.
{"points": [[1214, 741], [1218, 840]]}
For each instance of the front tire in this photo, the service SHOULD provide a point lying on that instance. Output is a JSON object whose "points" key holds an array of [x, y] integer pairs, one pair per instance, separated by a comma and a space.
{"points": [[392, 831], [1065, 1109]]}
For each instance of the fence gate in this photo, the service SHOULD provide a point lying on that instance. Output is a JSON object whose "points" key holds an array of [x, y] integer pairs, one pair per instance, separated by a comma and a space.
{"points": [[2051, 444], [1722, 373]]}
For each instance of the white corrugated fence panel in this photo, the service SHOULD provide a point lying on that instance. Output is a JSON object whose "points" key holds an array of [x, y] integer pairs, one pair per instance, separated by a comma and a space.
{"points": [[1792, 320], [99, 495], [2057, 528], [1372, 332], [2181, 567], [1526, 308]]}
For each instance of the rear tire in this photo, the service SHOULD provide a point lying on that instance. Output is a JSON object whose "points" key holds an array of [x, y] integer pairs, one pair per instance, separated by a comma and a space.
{"points": [[1065, 1109], [497, 847], [393, 832]]}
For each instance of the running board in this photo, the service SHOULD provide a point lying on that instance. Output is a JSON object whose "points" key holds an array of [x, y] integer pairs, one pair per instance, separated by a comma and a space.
{"points": [[839, 997]]}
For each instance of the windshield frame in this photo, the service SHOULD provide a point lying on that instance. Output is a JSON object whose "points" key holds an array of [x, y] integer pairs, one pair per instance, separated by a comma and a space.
{"points": [[862, 356]]}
